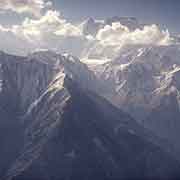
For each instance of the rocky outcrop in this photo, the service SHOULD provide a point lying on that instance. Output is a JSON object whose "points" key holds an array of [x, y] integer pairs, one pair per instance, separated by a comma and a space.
{"points": [[79, 138], [140, 81], [69, 132], [23, 80]]}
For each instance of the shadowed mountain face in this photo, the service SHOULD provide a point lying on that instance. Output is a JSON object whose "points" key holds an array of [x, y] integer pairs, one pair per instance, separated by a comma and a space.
{"points": [[144, 82], [22, 81], [164, 119], [65, 131]]}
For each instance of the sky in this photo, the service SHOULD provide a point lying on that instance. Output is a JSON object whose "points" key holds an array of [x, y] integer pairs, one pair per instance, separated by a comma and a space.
{"points": [[29, 25], [163, 12]]}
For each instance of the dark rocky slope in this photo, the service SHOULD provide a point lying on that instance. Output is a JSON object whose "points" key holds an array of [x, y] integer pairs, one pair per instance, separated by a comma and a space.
{"points": [[78, 139], [68, 132]]}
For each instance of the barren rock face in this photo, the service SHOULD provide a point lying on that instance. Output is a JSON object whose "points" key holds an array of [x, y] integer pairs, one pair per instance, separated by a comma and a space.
{"points": [[57, 127], [140, 80], [23, 81]]}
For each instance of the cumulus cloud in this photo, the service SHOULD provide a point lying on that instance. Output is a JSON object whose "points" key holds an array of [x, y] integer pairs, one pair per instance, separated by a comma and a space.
{"points": [[119, 35], [50, 31], [21, 6], [110, 40], [50, 24]]}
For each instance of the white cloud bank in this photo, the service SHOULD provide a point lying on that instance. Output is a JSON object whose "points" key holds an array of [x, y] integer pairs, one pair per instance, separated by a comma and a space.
{"points": [[22, 6], [118, 34], [111, 39], [52, 31], [50, 24]]}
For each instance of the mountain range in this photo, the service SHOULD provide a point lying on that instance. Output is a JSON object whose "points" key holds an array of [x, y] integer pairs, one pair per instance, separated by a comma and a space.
{"points": [[56, 126], [109, 111]]}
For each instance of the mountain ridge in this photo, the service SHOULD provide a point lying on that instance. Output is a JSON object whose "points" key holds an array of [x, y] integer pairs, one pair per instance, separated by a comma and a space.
{"points": [[70, 128]]}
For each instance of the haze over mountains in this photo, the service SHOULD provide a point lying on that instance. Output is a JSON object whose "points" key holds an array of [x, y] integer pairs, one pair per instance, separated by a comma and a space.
{"points": [[99, 99]]}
